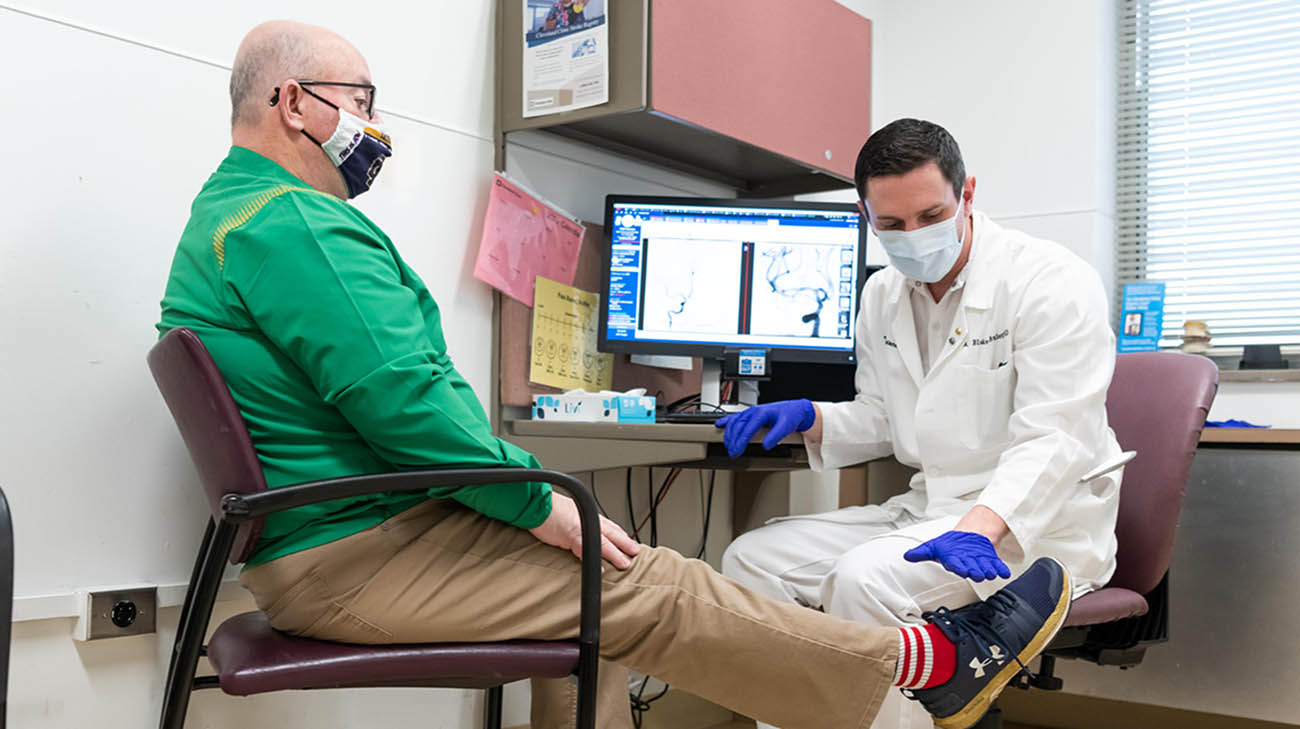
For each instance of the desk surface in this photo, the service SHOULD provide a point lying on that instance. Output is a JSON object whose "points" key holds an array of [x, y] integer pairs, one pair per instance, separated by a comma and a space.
{"points": [[674, 432], [599, 446], [1247, 436], [704, 433]]}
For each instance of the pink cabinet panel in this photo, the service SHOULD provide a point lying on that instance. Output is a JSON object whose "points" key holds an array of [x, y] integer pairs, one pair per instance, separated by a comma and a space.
{"points": [[790, 77]]}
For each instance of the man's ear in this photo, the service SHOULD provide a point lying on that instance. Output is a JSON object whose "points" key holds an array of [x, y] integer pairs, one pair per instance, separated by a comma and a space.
{"points": [[862, 208], [290, 105], [968, 191]]}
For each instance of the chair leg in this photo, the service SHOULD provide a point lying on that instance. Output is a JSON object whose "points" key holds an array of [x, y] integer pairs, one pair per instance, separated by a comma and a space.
{"points": [[492, 700], [193, 625], [186, 609], [588, 669]]}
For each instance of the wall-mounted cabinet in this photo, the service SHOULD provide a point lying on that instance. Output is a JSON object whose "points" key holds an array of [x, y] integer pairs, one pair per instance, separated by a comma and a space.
{"points": [[767, 96]]}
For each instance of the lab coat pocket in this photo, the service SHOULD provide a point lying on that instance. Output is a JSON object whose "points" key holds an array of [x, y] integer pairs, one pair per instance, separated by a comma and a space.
{"points": [[983, 409]]}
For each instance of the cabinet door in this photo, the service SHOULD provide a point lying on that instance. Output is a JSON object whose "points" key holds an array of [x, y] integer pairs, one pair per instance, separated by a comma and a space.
{"points": [[792, 78]]}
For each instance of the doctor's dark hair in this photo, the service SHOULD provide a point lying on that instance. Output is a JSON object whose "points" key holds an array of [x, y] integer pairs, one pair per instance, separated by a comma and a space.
{"points": [[904, 145]]}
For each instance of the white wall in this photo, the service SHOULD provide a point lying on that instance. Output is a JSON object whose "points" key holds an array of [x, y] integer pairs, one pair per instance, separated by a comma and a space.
{"points": [[1027, 89], [1263, 403], [577, 177], [120, 137], [116, 113]]}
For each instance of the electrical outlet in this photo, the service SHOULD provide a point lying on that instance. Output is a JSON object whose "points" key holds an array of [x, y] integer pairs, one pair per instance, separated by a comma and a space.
{"points": [[115, 612]]}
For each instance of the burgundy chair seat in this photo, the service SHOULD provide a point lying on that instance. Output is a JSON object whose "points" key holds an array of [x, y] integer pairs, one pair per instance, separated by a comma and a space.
{"points": [[252, 658], [1105, 605]]}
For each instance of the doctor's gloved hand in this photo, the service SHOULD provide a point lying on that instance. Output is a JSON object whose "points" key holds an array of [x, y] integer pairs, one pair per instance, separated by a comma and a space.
{"points": [[780, 418], [965, 554]]}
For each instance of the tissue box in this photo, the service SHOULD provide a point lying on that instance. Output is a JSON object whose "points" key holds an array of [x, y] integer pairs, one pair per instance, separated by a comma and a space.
{"points": [[594, 407]]}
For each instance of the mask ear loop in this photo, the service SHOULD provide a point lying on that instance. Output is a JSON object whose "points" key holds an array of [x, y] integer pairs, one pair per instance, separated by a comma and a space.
{"points": [[275, 99], [324, 101], [961, 238]]}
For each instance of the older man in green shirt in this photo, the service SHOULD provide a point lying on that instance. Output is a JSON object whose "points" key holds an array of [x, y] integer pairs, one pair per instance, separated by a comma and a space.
{"points": [[333, 350], [316, 321]]}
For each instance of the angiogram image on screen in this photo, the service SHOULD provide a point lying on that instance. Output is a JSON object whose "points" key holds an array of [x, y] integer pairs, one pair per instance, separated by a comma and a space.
{"points": [[796, 289], [692, 286]]}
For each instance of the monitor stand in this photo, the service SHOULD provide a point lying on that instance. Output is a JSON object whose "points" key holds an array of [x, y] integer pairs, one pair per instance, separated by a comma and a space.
{"points": [[711, 388]]}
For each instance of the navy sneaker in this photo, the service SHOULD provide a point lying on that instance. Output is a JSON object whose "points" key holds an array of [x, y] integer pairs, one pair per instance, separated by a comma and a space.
{"points": [[995, 639]]}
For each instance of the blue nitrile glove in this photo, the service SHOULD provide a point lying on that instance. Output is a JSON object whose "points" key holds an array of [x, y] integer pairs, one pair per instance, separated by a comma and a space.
{"points": [[780, 418], [965, 554]]}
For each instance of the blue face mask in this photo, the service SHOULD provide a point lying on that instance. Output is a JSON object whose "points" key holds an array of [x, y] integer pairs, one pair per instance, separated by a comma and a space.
{"points": [[925, 254]]}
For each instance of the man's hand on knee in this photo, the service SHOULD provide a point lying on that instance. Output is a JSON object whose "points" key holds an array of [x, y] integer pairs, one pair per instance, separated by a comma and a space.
{"points": [[564, 530]]}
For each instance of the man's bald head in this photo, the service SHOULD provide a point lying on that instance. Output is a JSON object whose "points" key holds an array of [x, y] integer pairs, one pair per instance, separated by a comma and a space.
{"points": [[276, 59], [279, 50]]}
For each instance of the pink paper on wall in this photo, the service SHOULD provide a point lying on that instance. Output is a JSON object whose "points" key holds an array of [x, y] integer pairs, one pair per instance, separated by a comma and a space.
{"points": [[524, 238]]}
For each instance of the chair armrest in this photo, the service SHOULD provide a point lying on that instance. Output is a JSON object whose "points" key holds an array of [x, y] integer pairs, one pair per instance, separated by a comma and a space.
{"points": [[239, 508], [242, 507], [6, 598]]}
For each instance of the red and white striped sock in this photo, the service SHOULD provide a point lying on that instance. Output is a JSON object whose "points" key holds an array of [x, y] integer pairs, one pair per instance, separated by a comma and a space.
{"points": [[926, 658]]}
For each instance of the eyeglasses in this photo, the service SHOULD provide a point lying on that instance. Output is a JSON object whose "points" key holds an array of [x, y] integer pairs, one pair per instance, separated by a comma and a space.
{"points": [[368, 104]]}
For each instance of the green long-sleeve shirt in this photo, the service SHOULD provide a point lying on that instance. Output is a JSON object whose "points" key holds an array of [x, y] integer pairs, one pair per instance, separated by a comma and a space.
{"points": [[333, 350]]}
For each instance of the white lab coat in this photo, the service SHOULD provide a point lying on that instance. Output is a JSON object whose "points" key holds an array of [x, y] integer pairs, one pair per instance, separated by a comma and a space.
{"points": [[1010, 415]]}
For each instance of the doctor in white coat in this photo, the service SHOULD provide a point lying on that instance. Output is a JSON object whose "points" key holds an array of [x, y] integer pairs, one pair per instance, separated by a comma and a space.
{"points": [[984, 356]]}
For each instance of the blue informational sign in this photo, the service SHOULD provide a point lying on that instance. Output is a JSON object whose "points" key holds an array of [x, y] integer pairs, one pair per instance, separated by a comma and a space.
{"points": [[1143, 316]]}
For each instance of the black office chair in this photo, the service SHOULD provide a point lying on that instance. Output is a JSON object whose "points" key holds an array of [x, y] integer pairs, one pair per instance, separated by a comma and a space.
{"points": [[6, 601]]}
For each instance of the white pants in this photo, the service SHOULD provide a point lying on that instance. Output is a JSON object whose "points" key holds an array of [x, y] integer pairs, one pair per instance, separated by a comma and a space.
{"points": [[849, 563]]}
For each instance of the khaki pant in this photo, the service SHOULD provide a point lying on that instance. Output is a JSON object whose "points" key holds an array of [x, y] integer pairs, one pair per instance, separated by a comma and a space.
{"points": [[440, 572], [850, 563]]}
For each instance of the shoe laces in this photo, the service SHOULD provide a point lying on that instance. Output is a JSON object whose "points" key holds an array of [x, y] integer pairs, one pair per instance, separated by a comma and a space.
{"points": [[975, 623]]}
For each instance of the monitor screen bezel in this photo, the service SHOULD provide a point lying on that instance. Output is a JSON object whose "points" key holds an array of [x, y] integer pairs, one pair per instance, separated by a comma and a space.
{"points": [[714, 350]]}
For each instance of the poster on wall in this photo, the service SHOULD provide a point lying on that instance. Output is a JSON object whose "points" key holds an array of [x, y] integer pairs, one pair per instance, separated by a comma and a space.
{"points": [[1143, 316], [566, 55]]}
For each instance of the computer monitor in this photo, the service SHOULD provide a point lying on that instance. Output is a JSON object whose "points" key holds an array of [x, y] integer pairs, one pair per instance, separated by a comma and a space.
{"points": [[701, 277]]}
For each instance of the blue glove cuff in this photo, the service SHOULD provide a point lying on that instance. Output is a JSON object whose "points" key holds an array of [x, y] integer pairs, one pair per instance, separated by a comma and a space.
{"points": [[808, 415]]}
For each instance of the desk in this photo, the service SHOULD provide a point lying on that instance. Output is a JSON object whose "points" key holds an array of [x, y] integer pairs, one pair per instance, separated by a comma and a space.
{"points": [[1251, 437], [576, 447], [599, 446]]}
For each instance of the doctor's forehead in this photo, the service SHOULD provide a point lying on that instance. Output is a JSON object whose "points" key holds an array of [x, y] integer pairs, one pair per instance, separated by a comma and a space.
{"points": [[909, 194]]}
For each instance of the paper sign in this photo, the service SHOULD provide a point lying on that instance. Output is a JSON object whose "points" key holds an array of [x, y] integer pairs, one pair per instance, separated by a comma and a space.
{"points": [[524, 238], [564, 339], [1143, 316], [566, 55]]}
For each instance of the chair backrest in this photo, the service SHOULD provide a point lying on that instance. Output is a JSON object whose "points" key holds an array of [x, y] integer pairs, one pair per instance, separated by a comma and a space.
{"points": [[210, 424], [1157, 404], [6, 600]]}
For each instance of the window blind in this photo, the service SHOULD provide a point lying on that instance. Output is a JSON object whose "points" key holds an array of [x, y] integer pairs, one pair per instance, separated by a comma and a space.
{"points": [[1208, 189]]}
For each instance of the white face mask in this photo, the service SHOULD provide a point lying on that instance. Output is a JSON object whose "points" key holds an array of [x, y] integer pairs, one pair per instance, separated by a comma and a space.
{"points": [[358, 148], [925, 254]]}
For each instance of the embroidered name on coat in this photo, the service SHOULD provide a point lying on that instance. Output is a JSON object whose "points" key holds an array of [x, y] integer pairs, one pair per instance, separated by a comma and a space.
{"points": [[980, 341]]}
